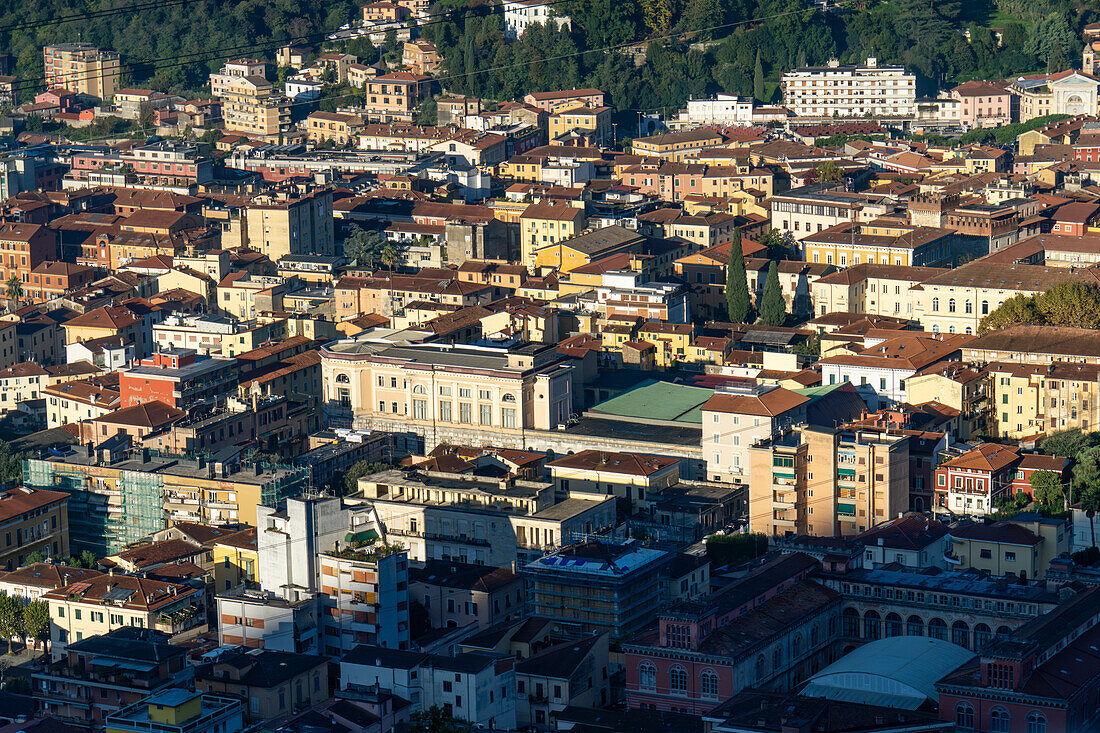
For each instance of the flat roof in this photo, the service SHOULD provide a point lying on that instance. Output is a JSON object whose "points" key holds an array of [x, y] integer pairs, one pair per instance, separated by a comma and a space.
{"points": [[663, 401]]}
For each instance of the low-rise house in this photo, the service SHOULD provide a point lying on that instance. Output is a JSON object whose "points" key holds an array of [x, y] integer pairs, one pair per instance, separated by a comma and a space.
{"points": [[272, 683], [574, 673]]}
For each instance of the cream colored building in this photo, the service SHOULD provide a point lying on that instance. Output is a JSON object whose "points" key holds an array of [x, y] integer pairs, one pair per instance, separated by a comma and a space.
{"points": [[957, 300], [880, 242], [826, 482], [81, 68], [447, 393], [867, 90], [735, 419], [290, 220], [481, 520], [341, 129], [874, 289], [250, 104]]}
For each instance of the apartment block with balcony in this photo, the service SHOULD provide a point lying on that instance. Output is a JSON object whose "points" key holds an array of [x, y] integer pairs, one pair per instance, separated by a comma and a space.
{"points": [[105, 603], [365, 595], [867, 90], [179, 710], [479, 520], [250, 104], [394, 97], [827, 482], [82, 68], [273, 683], [102, 674]]}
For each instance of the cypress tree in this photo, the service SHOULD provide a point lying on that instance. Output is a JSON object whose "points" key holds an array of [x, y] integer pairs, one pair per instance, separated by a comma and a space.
{"points": [[758, 79], [737, 284], [773, 309]]}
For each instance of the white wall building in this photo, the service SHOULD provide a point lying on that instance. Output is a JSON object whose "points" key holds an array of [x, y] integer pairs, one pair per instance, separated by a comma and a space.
{"points": [[724, 109], [519, 15], [850, 91]]}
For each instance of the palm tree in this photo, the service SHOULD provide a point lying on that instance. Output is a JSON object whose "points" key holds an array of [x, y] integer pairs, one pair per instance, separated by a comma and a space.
{"points": [[15, 288], [1090, 502]]}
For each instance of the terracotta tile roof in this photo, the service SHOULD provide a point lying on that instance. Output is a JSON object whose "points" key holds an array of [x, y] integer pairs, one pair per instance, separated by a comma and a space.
{"points": [[158, 553], [911, 532], [21, 500], [771, 403], [146, 415], [145, 595], [630, 464], [986, 457], [1005, 532], [47, 575]]}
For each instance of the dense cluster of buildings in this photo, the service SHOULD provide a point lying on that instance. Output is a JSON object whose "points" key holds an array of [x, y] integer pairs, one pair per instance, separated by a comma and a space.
{"points": [[335, 420]]}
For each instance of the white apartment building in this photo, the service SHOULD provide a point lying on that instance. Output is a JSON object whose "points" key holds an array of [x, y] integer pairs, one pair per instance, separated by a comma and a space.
{"points": [[723, 109], [850, 91], [519, 15], [202, 333]]}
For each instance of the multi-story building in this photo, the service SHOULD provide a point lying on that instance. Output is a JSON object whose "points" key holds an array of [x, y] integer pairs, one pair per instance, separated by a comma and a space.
{"points": [[115, 669], [274, 683], [339, 128], [737, 418], [966, 608], [82, 68], [156, 490], [278, 222], [974, 482], [871, 288], [869, 90], [772, 628], [447, 393], [1025, 400], [801, 212], [632, 477], [105, 603], [23, 247], [580, 124], [458, 594], [1022, 546], [178, 377], [552, 101], [1037, 677], [365, 596], [421, 56], [597, 586], [475, 686], [827, 482], [546, 224], [473, 519], [29, 582], [885, 243], [983, 104], [81, 399], [33, 521], [394, 97], [572, 673], [250, 104], [519, 15]]}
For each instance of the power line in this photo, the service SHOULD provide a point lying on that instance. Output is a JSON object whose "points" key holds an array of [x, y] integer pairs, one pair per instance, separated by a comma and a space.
{"points": [[95, 14], [208, 55], [575, 54]]}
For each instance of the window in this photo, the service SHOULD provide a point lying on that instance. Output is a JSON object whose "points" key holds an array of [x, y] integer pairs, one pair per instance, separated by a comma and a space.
{"points": [[485, 415], [1036, 722], [708, 684], [1010, 557], [677, 679], [465, 412], [508, 417], [964, 717], [935, 304], [420, 409], [999, 721], [951, 305], [647, 677], [445, 411]]}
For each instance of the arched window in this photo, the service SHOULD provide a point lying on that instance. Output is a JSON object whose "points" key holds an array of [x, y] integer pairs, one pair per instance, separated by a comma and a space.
{"points": [[420, 389], [985, 307], [647, 676], [935, 328], [893, 625], [1003, 631], [999, 721], [850, 623], [968, 307], [708, 684], [871, 625], [950, 305], [777, 659], [960, 634], [935, 304], [796, 646], [968, 331], [760, 667], [937, 629], [343, 379], [964, 717], [508, 398], [813, 636], [914, 626], [678, 679], [982, 635], [951, 328], [1036, 722]]}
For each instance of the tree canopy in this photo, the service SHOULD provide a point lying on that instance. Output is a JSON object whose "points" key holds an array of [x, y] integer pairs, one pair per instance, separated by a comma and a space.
{"points": [[1067, 303], [738, 305], [773, 309]]}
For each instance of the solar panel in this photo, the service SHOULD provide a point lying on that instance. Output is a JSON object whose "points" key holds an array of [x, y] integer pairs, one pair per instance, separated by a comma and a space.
{"points": [[118, 594]]}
